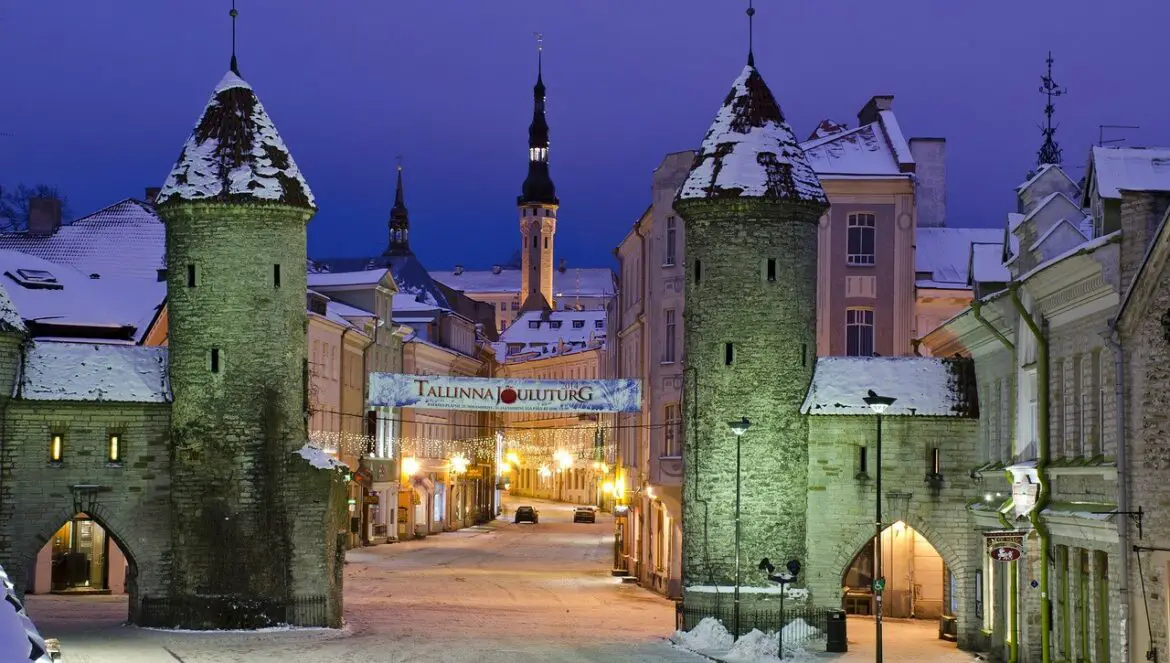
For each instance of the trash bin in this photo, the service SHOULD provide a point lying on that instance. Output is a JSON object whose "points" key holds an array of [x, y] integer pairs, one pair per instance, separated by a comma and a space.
{"points": [[835, 632]]}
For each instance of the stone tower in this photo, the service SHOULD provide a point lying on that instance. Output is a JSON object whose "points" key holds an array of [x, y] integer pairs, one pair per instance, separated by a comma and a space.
{"points": [[751, 204], [538, 210], [254, 525]]}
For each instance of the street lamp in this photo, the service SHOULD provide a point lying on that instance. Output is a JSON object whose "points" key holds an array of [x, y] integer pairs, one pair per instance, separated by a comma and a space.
{"points": [[878, 404], [739, 428]]}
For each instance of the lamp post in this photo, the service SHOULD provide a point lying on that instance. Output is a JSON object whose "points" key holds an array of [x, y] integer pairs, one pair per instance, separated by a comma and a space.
{"points": [[739, 428], [878, 404]]}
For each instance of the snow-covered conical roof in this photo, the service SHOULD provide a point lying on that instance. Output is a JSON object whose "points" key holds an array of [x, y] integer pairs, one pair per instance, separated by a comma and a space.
{"points": [[235, 155], [751, 152]]}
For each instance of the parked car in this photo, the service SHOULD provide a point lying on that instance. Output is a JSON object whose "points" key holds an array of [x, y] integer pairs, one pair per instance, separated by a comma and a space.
{"points": [[584, 514], [526, 514]]}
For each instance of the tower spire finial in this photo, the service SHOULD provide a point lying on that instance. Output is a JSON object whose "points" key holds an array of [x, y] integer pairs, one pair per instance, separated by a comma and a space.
{"points": [[233, 13], [539, 54], [1050, 152], [751, 14]]}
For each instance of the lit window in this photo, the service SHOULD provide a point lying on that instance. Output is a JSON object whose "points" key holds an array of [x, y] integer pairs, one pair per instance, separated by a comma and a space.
{"points": [[859, 332], [115, 448], [860, 240], [56, 447]]}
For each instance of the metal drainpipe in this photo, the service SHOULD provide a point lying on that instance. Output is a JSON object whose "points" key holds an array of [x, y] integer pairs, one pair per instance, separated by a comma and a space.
{"points": [[1013, 615], [1113, 338], [1041, 470]]}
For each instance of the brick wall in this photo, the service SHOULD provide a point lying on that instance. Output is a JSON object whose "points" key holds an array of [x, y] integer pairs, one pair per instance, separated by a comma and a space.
{"points": [[771, 326]]}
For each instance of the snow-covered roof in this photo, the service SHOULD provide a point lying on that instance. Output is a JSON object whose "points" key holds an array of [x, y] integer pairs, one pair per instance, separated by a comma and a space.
{"points": [[522, 330], [987, 263], [52, 294], [126, 239], [923, 386], [360, 277], [751, 152], [1040, 172], [945, 253], [1131, 169], [582, 282], [1054, 198], [346, 311], [62, 371], [860, 151], [236, 155]]}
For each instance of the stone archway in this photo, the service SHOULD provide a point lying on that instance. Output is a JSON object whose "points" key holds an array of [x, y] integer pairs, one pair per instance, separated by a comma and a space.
{"points": [[135, 539], [952, 549]]}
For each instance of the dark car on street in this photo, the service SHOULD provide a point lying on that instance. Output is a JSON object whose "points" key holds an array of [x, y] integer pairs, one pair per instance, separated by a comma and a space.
{"points": [[584, 514], [526, 514]]}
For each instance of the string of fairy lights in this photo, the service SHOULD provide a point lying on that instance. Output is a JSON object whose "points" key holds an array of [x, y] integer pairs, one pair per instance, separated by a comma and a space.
{"points": [[528, 445]]}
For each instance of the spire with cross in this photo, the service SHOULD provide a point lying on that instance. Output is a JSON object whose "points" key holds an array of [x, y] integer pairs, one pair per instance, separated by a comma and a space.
{"points": [[234, 14], [751, 14]]}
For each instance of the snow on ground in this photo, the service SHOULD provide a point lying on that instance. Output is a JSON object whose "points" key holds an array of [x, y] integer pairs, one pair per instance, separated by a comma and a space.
{"points": [[497, 593]]}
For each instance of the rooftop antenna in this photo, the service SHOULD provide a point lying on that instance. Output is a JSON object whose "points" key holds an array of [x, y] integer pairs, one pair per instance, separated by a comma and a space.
{"points": [[233, 13], [539, 53], [751, 14], [1101, 142], [1050, 152]]}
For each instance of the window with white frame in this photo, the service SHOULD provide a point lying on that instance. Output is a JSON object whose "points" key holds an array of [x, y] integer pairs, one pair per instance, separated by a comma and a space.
{"points": [[668, 252], [860, 239], [672, 432], [1030, 421], [668, 342], [859, 332]]}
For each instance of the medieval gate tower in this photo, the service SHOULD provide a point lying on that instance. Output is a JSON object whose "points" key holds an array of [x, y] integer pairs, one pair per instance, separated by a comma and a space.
{"points": [[253, 525], [751, 205]]}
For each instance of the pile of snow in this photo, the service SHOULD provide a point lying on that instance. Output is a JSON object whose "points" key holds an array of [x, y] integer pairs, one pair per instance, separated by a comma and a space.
{"points": [[708, 635], [710, 638], [19, 638], [62, 371], [925, 386], [319, 458]]}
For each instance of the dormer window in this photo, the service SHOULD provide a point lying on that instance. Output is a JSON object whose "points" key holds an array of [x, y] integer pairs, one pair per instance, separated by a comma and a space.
{"points": [[598, 324], [36, 279], [578, 324], [534, 324], [554, 324]]}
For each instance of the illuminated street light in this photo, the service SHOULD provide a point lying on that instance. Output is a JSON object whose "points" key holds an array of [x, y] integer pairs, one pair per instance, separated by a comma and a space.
{"points": [[459, 463], [513, 458], [879, 404], [410, 466]]}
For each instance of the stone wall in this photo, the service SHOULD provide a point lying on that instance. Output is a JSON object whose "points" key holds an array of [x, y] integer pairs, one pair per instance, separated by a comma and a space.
{"points": [[238, 373], [938, 514], [131, 499], [751, 343]]}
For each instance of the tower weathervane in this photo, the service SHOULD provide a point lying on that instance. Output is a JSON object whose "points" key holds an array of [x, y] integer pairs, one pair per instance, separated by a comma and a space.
{"points": [[1050, 152], [751, 14], [233, 13]]}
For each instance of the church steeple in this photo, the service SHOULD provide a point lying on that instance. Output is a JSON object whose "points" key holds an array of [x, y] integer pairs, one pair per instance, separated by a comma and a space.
{"points": [[538, 207], [538, 186], [399, 221]]}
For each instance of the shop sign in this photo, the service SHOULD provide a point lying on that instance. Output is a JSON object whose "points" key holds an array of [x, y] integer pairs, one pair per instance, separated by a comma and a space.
{"points": [[474, 473], [371, 499], [1004, 546], [1005, 553], [445, 392]]}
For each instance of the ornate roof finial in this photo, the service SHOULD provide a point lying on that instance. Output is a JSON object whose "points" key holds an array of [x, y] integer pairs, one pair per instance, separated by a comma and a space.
{"points": [[1050, 152], [751, 14], [539, 58], [399, 219], [233, 13]]}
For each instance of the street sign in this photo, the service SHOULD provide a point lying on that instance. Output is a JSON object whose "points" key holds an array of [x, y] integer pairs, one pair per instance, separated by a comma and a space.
{"points": [[1005, 553], [879, 584]]}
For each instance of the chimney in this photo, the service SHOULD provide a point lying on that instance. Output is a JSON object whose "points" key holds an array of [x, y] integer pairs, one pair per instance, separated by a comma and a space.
{"points": [[44, 216], [562, 266], [458, 270], [1141, 212], [152, 194], [930, 193], [869, 114]]}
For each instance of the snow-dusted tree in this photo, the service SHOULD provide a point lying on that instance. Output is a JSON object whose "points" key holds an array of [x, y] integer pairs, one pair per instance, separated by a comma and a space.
{"points": [[14, 204]]}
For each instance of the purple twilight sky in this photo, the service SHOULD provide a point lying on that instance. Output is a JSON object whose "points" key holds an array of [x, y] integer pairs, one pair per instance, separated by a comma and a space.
{"points": [[100, 96]]}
